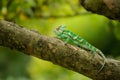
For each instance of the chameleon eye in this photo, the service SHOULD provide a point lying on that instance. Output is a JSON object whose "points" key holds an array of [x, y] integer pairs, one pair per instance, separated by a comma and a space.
{"points": [[62, 27]]}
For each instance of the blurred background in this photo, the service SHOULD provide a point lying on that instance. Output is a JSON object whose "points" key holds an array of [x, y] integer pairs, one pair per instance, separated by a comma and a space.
{"points": [[44, 16]]}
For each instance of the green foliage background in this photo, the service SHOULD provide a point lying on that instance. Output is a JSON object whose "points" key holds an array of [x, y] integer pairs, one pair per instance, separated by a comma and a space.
{"points": [[44, 16]]}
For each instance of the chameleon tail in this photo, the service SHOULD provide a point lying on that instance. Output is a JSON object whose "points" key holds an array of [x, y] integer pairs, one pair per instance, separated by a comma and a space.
{"points": [[104, 58]]}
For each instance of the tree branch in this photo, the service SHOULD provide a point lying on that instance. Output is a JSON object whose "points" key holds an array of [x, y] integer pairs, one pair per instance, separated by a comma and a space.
{"points": [[54, 50], [108, 8]]}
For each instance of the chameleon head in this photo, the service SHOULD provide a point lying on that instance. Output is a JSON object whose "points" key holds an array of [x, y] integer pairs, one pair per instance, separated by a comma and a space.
{"points": [[59, 29]]}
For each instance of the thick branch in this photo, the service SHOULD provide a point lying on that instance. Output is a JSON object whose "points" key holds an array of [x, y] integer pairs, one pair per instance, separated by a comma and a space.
{"points": [[54, 50], [108, 8]]}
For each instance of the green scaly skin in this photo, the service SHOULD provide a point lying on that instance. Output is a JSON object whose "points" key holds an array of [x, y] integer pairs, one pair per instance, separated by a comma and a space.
{"points": [[70, 37]]}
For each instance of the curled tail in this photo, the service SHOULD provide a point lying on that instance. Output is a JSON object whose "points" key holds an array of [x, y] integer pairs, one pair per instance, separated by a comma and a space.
{"points": [[104, 58]]}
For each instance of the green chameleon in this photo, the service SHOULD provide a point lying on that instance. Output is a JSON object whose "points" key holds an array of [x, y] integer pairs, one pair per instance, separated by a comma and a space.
{"points": [[70, 37]]}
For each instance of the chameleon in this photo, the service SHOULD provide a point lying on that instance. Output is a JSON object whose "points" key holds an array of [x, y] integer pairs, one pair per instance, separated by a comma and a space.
{"points": [[74, 39]]}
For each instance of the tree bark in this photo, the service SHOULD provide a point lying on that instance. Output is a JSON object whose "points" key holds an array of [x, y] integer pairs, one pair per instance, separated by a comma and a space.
{"points": [[54, 50], [108, 8]]}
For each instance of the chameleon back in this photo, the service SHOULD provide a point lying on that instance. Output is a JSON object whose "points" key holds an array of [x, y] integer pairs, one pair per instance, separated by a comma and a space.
{"points": [[78, 41]]}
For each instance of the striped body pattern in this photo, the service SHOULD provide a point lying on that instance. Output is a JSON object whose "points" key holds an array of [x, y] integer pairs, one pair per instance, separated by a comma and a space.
{"points": [[72, 38]]}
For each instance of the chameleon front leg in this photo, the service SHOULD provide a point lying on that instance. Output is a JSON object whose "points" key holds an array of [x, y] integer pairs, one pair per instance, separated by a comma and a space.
{"points": [[67, 40]]}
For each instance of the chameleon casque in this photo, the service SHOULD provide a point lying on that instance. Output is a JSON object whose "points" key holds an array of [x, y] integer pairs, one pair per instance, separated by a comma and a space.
{"points": [[72, 38]]}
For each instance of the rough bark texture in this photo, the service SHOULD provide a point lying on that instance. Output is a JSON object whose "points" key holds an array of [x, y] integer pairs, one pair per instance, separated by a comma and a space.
{"points": [[54, 50], [108, 8]]}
